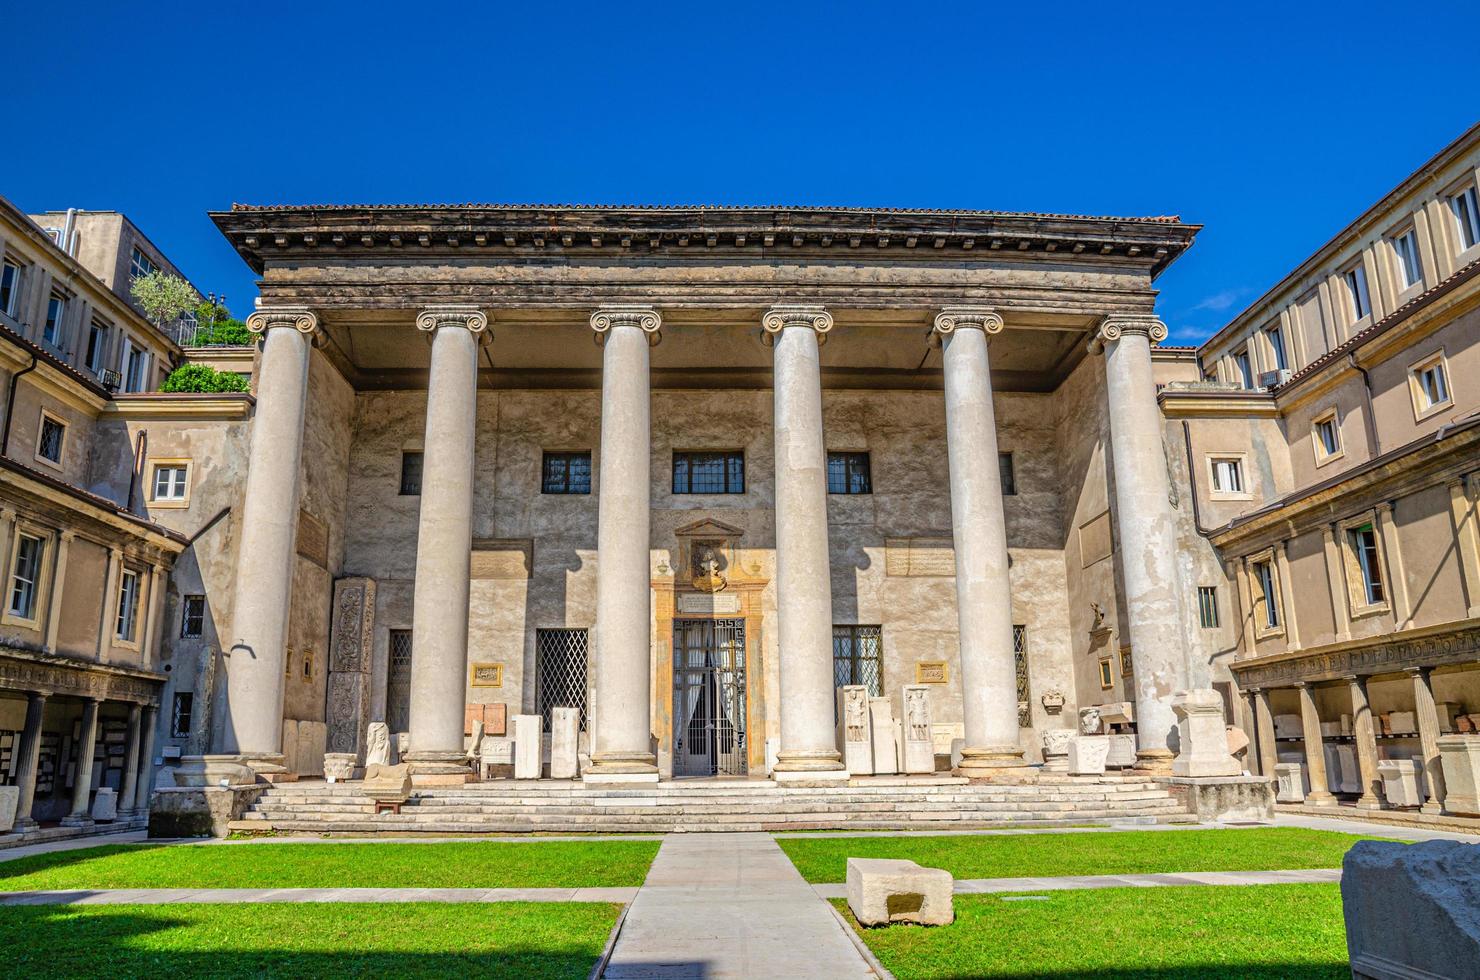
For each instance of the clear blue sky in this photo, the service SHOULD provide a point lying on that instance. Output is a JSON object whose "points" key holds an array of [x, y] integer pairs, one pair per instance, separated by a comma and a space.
{"points": [[1272, 125]]}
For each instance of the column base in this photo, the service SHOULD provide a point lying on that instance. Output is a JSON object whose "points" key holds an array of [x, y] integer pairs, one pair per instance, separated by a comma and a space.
{"points": [[438, 768], [1368, 803], [622, 764], [24, 825], [1320, 799], [1156, 762], [227, 770], [1432, 808], [1001, 763], [809, 761], [78, 823], [810, 777]]}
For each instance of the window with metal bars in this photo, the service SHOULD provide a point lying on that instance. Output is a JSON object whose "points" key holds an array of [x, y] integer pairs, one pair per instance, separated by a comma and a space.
{"points": [[560, 671], [411, 474], [398, 682], [193, 616], [858, 654], [1020, 660], [566, 473], [709, 472], [181, 712], [848, 473], [1207, 606], [1008, 473]]}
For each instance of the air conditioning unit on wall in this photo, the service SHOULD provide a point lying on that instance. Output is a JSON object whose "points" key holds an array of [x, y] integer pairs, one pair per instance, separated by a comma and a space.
{"points": [[1271, 379]]}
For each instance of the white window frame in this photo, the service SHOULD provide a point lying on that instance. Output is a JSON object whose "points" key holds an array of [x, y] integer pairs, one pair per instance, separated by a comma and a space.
{"points": [[126, 618], [40, 585], [1325, 454], [136, 259], [1358, 292], [1423, 406], [1240, 463], [100, 352], [1463, 204], [59, 331], [182, 500], [1358, 600], [15, 286], [1279, 353], [1405, 255], [56, 419], [131, 346], [1243, 368], [1271, 620]]}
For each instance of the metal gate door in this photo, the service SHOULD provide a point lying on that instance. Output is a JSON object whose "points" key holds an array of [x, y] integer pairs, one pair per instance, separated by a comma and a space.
{"points": [[709, 697]]}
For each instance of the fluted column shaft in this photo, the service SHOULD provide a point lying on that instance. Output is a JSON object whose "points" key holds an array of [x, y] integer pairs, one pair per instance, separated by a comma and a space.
{"points": [[979, 533], [1148, 538], [1364, 732], [808, 747], [146, 758], [264, 571], [1264, 725], [1315, 746], [30, 753], [1426, 713], [439, 654], [130, 786], [622, 737], [82, 783]]}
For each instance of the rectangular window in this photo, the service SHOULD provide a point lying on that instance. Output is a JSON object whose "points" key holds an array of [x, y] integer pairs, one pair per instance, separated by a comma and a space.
{"points": [[1356, 288], [1268, 592], [135, 367], [1466, 211], [858, 657], [139, 264], [10, 288], [1207, 606], [1410, 265], [565, 473], [1107, 674], [169, 481], [1008, 474], [411, 474], [1363, 541], [1430, 384], [1244, 367], [398, 682], [128, 606], [560, 671], [709, 472], [181, 711], [1276, 338], [1228, 475], [26, 576], [56, 311], [97, 340], [193, 617], [1020, 663], [50, 439], [1328, 436], [848, 473]]}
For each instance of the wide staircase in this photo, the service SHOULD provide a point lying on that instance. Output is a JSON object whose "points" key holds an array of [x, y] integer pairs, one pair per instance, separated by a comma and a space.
{"points": [[546, 806]]}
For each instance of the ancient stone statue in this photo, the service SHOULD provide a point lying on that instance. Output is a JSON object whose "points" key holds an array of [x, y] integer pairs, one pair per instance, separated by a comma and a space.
{"points": [[377, 744], [917, 714]]}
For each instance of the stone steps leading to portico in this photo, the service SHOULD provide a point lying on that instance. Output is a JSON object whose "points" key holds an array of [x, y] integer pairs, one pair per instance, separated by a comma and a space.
{"points": [[510, 807]]}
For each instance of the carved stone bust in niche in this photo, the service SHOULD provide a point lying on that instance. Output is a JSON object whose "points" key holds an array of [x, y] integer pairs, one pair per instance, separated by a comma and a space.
{"points": [[708, 562], [707, 555]]}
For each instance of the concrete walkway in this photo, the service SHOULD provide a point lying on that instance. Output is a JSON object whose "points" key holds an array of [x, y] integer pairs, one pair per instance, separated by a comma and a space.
{"points": [[988, 886], [720, 906], [165, 896]]}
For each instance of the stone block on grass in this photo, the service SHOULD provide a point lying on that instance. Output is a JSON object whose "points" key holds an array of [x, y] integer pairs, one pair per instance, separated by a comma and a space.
{"points": [[883, 892], [1412, 910]]}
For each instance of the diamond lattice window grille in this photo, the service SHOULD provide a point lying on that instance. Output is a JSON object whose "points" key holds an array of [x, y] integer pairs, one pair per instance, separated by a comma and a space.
{"points": [[560, 671], [398, 683], [1024, 691]]}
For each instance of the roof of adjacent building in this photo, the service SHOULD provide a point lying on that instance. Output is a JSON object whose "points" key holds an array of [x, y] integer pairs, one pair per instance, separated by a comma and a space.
{"points": [[804, 209]]}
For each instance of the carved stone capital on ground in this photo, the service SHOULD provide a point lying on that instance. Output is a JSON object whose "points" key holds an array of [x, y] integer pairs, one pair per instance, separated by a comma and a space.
{"points": [[296, 318], [779, 317], [1116, 325], [644, 318], [953, 318], [472, 319]]}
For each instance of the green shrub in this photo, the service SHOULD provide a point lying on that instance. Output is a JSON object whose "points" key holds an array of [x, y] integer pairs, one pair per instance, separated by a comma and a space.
{"points": [[224, 333], [202, 377]]}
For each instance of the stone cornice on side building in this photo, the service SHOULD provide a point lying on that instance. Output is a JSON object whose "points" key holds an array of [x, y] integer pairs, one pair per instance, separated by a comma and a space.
{"points": [[23, 669], [61, 379], [181, 406], [88, 511], [1451, 644], [1198, 400]]}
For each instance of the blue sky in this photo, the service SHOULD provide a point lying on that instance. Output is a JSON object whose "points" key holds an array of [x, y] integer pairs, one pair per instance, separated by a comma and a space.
{"points": [[1272, 125]]}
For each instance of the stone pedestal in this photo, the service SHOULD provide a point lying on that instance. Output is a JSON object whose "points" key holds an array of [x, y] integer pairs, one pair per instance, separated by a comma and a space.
{"points": [[855, 730], [528, 732], [1056, 749], [1202, 743], [1290, 776], [565, 728], [1087, 754], [9, 796], [1460, 756], [1227, 799], [1122, 754], [1400, 782], [883, 892], [919, 748], [885, 752], [199, 810]]}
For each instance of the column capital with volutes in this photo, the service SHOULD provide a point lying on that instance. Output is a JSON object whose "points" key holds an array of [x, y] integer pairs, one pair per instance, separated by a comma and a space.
{"points": [[784, 315], [1116, 325], [953, 318], [644, 318], [303, 320], [470, 318]]}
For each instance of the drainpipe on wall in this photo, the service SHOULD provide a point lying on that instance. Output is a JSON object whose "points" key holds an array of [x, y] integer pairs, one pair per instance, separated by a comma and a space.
{"points": [[141, 447], [1197, 524], [1371, 420], [15, 380]]}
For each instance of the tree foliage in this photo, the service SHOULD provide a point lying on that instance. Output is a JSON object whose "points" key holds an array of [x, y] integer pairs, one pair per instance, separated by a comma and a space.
{"points": [[162, 296], [202, 378]]}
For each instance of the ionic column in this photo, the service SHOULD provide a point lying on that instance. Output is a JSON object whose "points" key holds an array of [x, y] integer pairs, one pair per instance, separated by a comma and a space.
{"points": [[1264, 722], [1148, 539], [146, 758], [58, 583], [1315, 746], [29, 755], [439, 658], [1365, 735], [253, 728], [82, 787], [1427, 715], [130, 765], [979, 533], [622, 720], [808, 747]]}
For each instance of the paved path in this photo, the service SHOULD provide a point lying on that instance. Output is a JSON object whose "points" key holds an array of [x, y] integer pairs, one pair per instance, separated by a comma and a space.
{"points": [[987, 886], [164, 896], [718, 906]]}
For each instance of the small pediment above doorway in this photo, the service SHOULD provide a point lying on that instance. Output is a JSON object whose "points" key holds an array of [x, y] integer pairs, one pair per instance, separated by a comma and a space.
{"points": [[709, 528], [707, 554]]}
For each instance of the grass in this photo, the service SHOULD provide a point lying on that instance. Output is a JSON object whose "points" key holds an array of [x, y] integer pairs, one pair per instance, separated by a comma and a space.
{"points": [[825, 859], [475, 864], [1265, 931], [504, 940]]}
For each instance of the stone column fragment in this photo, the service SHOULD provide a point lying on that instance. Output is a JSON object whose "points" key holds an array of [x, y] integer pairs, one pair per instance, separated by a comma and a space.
{"points": [[803, 575], [1264, 723], [621, 742]]}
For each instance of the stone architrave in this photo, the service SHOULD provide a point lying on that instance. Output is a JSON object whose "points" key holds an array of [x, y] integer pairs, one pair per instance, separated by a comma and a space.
{"points": [[565, 729], [1056, 749], [1400, 782], [339, 766], [855, 730], [883, 891], [9, 797], [1410, 909], [105, 804], [1202, 742], [881, 717], [919, 748], [528, 730], [1122, 754], [377, 744], [1087, 754], [1460, 756], [1291, 779], [350, 658]]}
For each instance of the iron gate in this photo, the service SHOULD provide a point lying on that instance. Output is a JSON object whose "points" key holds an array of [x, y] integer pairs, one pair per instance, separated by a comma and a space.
{"points": [[709, 697]]}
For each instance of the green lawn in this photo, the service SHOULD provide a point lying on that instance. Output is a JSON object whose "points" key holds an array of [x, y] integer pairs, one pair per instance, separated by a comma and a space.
{"points": [[474, 864], [513, 940], [1267, 931], [825, 859]]}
